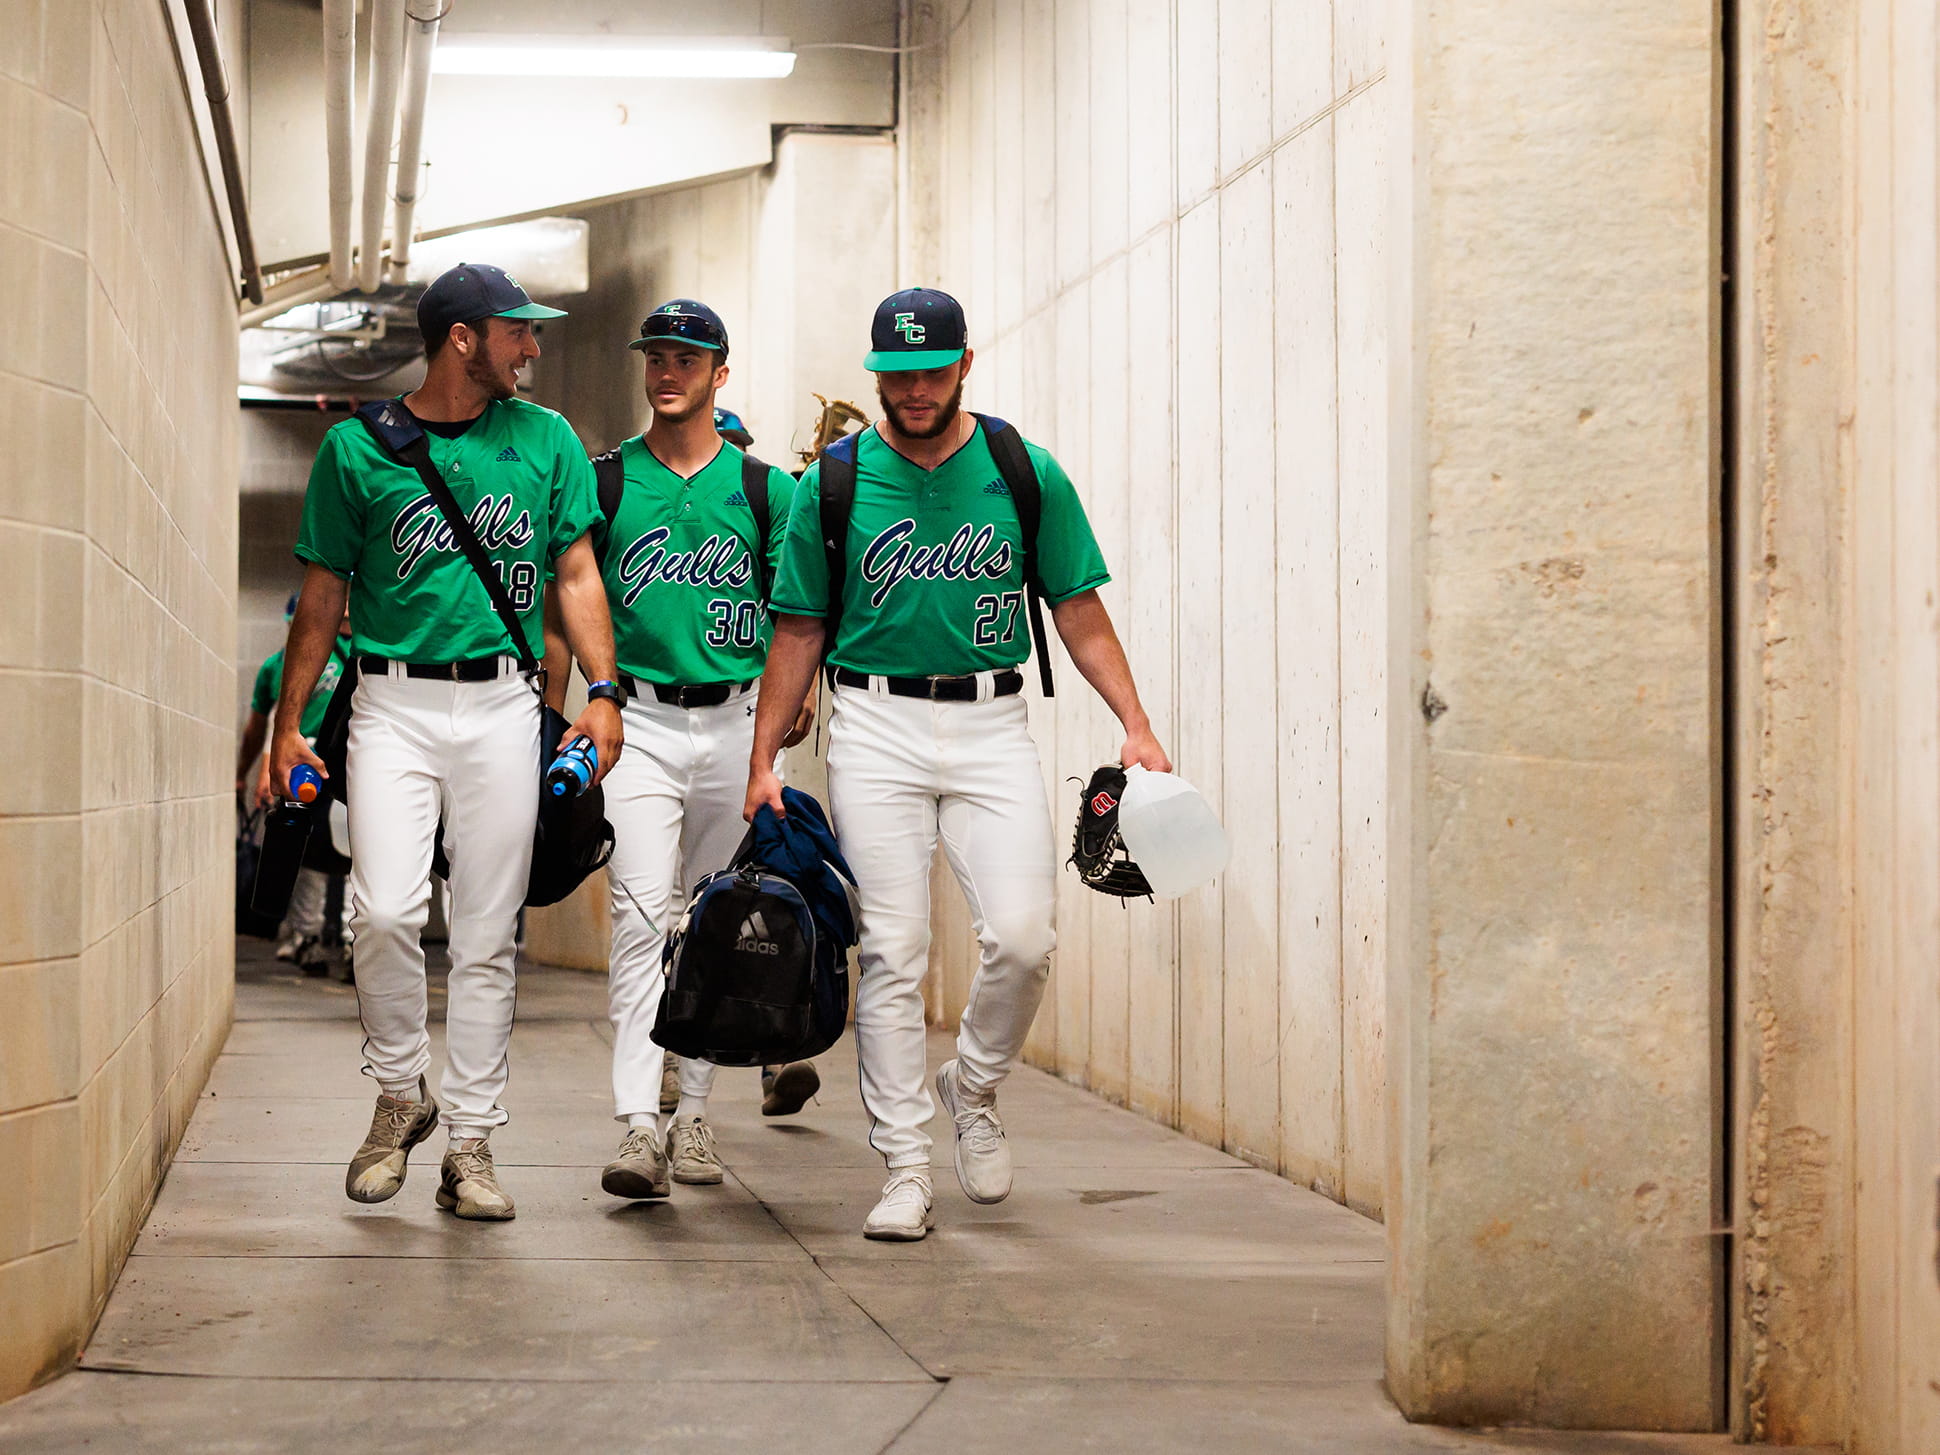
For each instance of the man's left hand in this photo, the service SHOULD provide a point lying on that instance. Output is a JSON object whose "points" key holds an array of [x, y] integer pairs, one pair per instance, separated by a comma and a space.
{"points": [[600, 722]]}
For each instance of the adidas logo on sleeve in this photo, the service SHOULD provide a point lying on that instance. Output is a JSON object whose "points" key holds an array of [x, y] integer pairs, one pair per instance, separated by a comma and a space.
{"points": [[753, 938]]}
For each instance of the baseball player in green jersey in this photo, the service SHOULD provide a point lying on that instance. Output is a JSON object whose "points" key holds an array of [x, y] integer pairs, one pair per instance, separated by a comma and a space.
{"points": [[929, 738], [687, 562], [444, 726], [302, 938]]}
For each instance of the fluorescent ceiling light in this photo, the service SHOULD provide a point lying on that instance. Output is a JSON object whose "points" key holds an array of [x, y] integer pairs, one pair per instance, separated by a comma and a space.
{"points": [[674, 58]]}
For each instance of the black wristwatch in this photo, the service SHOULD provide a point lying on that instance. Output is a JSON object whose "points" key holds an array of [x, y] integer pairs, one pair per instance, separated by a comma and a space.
{"points": [[609, 689]]}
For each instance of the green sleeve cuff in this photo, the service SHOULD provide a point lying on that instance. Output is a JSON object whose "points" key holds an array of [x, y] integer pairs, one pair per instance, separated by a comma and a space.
{"points": [[309, 556], [1102, 579]]}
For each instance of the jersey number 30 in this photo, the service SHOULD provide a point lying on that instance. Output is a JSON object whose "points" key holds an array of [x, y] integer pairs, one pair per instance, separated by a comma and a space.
{"points": [[521, 583], [735, 623], [994, 612]]}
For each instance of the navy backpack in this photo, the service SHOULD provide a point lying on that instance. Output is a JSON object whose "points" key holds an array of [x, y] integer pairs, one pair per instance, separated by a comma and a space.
{"points": [[758, 967]]}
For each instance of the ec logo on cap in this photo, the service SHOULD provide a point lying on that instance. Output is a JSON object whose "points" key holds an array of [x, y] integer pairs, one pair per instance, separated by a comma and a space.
{"points": [[912, 331]]}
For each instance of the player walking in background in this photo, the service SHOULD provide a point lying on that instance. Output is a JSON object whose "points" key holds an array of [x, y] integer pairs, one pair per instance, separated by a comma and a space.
{"points": [[444, 726], [302, 938], [693, 533], [930, 736]]}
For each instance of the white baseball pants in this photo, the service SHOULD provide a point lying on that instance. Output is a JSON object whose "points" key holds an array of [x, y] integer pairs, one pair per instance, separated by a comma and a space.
{"points": [[305, 916], [674, 800], [466, 752], [904, 772]]}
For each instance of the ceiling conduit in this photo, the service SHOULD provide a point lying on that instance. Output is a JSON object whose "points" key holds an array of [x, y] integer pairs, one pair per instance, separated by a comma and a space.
{"points": [[420, 39], [339, 113], [386, 47]]}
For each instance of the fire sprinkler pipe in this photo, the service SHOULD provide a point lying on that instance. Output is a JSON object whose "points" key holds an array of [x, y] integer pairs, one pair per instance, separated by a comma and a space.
{"points": [[420, 39], [386, 46], [215, 84], [339, 114]]}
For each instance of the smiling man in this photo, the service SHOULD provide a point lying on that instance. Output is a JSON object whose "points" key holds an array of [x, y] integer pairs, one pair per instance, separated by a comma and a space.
{"points": [[444, 727], [908, 556]]}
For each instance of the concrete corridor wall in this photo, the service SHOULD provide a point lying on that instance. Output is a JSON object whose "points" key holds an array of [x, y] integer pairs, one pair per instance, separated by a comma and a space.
{"points": [[117, 619], [1165, 221]]}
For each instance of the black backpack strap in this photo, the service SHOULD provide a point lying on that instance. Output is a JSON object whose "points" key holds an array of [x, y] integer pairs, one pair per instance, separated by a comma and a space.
{"points": [[1014, 464], [609, 475], [400, 435], [754, 485], [836, 472]]}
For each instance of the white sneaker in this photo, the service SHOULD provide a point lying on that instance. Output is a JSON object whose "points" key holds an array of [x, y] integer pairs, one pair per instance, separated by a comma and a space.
{"points": [[983, 1156], [690, 1152], [669, 1083], [903, 1215]]}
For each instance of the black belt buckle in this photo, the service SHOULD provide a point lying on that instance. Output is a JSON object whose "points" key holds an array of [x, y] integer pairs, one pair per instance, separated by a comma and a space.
{"points": [[953, 689]]}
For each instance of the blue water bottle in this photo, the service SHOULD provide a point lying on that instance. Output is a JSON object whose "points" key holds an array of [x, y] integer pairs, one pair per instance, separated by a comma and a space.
{"points": [[306, 784], [572, 772]]}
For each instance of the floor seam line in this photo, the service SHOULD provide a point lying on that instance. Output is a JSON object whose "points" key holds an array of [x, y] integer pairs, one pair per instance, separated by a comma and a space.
{"points": [[833, 1283]]}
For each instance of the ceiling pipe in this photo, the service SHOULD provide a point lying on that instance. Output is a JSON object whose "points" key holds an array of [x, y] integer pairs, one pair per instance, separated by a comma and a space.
{"points": [[386, 47], [215, 85], [316, 286], [340, 118], [420, 39]]}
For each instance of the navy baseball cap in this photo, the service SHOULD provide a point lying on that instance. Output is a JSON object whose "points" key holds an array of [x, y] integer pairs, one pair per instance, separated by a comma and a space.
{"points": [[686, 320], [475, 290], [727, 424], [918, 328]]}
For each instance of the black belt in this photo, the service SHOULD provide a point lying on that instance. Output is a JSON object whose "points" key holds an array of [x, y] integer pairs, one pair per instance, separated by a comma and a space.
{"points": [[936, 689], [710, 694], [476, 669]]}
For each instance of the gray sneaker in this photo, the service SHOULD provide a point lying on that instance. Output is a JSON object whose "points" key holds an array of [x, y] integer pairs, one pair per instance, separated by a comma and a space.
{"points": [[669, 1083], [690, 1152], [377, 1171], [640, 1170], [468, 1183]]}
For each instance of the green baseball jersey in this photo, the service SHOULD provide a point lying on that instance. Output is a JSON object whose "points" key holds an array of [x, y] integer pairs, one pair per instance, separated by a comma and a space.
{"points": [[934, 583], [681, 576], [524, 483], [269, 685]]}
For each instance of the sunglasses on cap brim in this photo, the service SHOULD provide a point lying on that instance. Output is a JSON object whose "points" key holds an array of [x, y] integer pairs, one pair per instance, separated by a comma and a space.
{"points": [[687, 327]]}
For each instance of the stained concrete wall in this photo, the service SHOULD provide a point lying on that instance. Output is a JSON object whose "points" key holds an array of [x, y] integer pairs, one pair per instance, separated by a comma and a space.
{"points": [[1555, 910], [117, 621], [1166, 222], [1791, 494], [1892, 645]]}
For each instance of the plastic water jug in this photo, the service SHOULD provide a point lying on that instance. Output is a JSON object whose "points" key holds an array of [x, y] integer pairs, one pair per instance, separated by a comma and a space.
{"points": [[1171, 831]]}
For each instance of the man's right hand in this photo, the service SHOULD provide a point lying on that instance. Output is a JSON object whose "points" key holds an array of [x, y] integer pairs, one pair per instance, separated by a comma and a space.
{"points": [[289, 750], [763, 787]]}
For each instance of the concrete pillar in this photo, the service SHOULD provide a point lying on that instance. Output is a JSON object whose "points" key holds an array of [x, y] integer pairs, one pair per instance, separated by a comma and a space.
{"points": [[1554, 880]]}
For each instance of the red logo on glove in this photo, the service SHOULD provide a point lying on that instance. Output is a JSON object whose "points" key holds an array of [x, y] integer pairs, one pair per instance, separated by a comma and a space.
{"points": [[1103, 804]]}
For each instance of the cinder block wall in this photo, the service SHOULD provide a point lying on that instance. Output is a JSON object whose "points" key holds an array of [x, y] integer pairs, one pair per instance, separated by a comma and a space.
{"points": [[1166, 222], [117, 623]]}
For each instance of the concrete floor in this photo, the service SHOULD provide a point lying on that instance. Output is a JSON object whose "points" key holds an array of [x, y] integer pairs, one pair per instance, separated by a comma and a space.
{"points": [[1138, 1292]]}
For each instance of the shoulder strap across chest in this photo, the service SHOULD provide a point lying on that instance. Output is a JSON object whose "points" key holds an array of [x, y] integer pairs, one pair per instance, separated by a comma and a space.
{"points": [[400, 436], [609, 474]]}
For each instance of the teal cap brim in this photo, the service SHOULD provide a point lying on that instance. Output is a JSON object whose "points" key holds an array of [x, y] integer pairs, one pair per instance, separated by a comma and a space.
{"points": [[667, 338], [897, 361], [532, 310]]}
